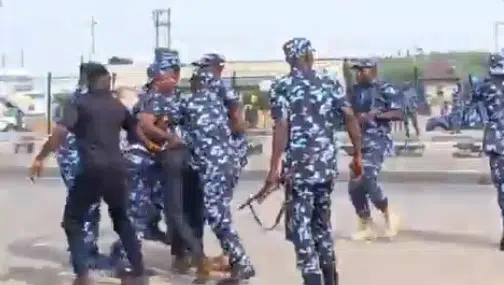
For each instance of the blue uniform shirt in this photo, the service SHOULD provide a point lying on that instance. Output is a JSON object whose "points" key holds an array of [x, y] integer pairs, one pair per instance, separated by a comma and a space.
{"points": [[311, 103], [492, 95], [231, 99], [67, 153], [379, 96], [206, 131]]}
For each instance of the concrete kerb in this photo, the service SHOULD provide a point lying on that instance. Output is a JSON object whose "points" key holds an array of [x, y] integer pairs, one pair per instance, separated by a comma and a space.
{"points": [[425, 177]]}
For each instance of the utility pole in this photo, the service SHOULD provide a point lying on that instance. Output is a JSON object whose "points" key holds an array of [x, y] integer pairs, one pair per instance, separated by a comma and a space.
{"points": [[93, 47], [162, 19], [22, 58], [496, 31]]}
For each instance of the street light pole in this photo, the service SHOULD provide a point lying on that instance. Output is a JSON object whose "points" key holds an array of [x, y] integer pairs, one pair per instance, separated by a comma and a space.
{"points": [[93, 47], [497, 26]]}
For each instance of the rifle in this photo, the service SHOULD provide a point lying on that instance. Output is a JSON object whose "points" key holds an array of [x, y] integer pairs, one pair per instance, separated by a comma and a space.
{"points": [[263, 194]]}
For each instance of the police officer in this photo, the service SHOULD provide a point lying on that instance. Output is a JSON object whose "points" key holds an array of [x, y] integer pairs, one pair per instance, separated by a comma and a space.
{"points": [[457, 113], [307, 108], [143, 175], [68, 159], [410, 97], [214, 63], [492, 95], [96, 120], [206, 133], [173, 160], [376, 104]]}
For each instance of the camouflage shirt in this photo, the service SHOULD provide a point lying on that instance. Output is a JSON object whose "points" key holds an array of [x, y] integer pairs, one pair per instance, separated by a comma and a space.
{"points": [[492, 95], [381, 96], [311, 104], [206, 131], [67, 153]]}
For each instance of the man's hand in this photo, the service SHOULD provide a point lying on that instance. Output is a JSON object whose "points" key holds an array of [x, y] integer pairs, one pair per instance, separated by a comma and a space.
{"points": [[173, 142], [366, 117], [153, 147], [357, 170], [36, 168], [238, 127], [271, 184]]}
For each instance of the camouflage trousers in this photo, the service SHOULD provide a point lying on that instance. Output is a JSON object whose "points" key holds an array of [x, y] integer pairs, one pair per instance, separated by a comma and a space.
{"points": [[144, 196], [367, 188], [308, 226], [240, 143], [497, 175], [217, 195], [91, 225]]}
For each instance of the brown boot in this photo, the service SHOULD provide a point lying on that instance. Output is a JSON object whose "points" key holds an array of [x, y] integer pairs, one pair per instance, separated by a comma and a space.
{"points": [[238, 274], [181, 264], [83, 280], [203, 271], [220, 263]]}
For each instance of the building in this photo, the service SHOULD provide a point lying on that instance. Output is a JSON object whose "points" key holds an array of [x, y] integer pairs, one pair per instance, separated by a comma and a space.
{"points": [[247, 75], [440, 80]]}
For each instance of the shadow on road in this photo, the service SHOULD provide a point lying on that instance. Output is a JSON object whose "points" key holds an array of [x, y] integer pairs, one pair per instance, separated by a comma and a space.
{"points": [[158, 259], [35, 276], [447, 238], [457, 239]]}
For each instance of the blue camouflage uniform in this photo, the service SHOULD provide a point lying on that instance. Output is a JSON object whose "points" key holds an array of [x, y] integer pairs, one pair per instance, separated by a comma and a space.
{"points": [[311, 104], [457, 112], [144, 200], [492, 95], [206, 132], [376, 140], [68, 159], [231, 99]]}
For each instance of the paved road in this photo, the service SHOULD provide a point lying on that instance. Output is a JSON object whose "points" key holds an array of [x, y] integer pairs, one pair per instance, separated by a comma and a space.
{"points": [[449, 238]]}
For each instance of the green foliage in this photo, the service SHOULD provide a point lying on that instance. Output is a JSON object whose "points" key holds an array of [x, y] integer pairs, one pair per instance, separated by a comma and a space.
{"points": [[60, 98], [261, 100], [402, 69]]}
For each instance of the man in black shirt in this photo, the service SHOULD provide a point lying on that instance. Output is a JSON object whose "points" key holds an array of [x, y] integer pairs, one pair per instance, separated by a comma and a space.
{"points": [[96, 120]]}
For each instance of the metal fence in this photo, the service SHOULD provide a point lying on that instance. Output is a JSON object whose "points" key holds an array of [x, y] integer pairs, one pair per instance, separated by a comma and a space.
{"points": [[39, 104]]}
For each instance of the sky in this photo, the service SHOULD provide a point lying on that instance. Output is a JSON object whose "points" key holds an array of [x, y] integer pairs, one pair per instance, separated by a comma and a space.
{"points": [[55, 33]]}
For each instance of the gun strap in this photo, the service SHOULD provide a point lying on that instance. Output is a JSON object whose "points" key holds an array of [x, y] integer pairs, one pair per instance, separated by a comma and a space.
{"points": [[278, 217]]}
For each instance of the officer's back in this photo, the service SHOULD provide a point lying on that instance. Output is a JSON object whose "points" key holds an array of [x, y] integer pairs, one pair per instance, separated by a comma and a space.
{"points": [[96, 120]]}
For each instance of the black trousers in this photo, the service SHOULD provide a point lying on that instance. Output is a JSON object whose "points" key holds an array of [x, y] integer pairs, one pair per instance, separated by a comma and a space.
{"points": [[173, 163], [193, 209], [91, 185]]}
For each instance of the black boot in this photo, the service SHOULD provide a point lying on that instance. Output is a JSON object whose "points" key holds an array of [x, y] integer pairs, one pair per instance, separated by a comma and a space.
{"points": [[83, 280], [154, 233], [312, 279], [330, 275]]}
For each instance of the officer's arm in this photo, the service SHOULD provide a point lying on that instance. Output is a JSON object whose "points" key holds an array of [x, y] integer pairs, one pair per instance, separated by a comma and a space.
{"points": [[279, 114], [393, 108], [131, 125], [148, 117], [352, 125], [234, 108], [67, 122]]}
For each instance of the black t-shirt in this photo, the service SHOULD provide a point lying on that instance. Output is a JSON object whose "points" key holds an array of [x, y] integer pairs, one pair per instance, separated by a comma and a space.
{"points": [[96, 119]]}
